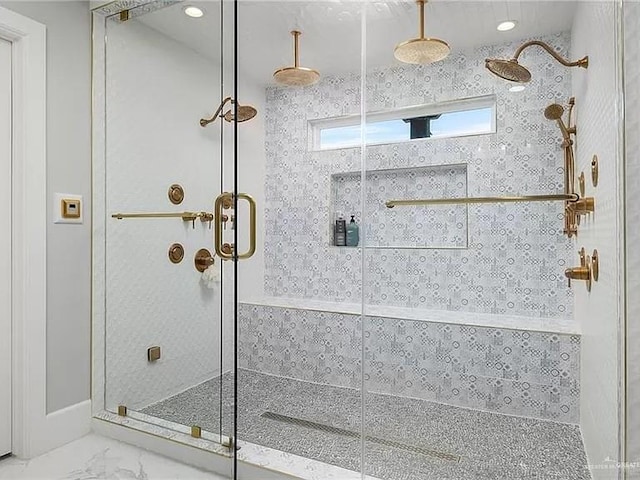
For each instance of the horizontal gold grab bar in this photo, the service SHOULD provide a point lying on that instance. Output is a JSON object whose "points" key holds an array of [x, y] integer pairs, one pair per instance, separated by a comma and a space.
{"points": [[566, 197], [186, 216]]}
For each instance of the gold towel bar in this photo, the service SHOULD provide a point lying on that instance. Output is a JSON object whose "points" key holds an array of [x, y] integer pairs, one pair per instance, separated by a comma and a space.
{"points": [[570, 197]]}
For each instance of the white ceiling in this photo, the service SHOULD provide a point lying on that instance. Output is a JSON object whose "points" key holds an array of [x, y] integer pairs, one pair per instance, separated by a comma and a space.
{"points": [[332, 29]]}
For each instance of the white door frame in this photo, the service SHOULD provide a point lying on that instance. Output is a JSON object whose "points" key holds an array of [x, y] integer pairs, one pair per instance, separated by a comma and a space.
{"points": [[29, 217], [5, 246]]}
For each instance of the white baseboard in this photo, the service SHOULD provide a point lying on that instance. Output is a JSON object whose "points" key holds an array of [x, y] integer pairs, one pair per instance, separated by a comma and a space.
{"points": [[62, 427]]}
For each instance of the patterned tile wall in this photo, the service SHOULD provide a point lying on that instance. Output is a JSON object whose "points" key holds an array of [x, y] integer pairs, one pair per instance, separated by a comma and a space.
{"points": [[519, 372], [436, 226], [516, 255]]}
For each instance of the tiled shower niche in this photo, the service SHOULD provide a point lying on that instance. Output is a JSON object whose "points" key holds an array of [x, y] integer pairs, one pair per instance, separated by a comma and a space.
{"points": [[431, 226]]}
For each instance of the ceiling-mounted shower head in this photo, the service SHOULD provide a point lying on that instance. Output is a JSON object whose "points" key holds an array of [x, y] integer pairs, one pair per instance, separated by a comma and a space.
{"points": [[421, 50], [245, 112], [509, 70], [296, 76], [514, 72]]}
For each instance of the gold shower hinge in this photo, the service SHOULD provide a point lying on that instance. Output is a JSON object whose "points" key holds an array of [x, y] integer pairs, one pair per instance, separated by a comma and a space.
{"points": [[122, 410], [124, 15], [196, 431]]}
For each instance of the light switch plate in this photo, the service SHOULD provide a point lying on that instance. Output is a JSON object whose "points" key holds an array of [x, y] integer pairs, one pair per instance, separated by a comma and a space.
{"points": [[68, 208]]}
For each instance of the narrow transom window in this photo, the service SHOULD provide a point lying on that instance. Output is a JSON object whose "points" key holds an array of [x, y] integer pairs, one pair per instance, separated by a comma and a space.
{"points": [[470, 116]]}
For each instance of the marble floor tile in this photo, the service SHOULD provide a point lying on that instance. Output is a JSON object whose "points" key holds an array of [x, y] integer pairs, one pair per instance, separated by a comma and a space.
{"points": [[95, 457]]}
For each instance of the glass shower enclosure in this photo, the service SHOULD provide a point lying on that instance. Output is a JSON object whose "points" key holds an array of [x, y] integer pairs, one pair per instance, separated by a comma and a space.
{"points": [[331, 245]]}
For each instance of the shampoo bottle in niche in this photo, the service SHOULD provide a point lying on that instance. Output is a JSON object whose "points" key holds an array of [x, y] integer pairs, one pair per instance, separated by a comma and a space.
{"points": [[353, 233], [340, 232]]}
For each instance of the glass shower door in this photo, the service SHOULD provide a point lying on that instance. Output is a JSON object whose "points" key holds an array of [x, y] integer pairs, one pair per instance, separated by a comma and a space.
{"points": [[167, 354]]}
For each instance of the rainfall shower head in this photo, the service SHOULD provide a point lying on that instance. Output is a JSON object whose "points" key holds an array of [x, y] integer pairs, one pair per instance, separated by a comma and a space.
{"points": [[296, 76], [245, 112], [421, 50], [512, 71], [509, 70]]}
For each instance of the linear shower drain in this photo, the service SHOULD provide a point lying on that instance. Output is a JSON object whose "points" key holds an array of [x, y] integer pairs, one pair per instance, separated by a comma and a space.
{"points": [[350, 433]]}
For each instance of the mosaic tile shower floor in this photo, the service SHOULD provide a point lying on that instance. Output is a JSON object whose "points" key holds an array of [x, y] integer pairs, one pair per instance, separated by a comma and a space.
{"points": [[489, 445]]}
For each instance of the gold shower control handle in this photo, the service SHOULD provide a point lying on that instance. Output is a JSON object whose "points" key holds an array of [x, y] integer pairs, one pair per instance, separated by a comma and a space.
{"points": [[582, 272], [584, 206], [226, 201]]}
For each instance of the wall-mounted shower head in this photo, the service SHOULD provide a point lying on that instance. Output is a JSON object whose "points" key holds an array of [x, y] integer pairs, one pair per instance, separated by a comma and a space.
{"points": [[514, 72], [509, 70], [245, 112]]}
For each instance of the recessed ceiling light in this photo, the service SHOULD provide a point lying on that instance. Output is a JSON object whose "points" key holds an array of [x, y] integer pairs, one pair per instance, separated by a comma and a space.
{"points": [[506, 26], [193, 12], [517, 88]]}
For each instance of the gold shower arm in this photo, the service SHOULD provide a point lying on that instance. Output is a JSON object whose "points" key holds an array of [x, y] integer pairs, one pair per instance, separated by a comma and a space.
{"points": [[206, 121], [583, 62], [571, 197]]}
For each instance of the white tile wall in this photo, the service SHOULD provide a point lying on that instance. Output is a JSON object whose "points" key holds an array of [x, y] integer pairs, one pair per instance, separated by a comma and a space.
{"points": [[517, 254], [599, 313], [157, 90]]}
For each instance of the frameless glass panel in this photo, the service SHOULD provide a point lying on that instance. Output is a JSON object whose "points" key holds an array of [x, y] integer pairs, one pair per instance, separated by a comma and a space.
{"points": [[163, 322], [475, 357], [299, 330]]}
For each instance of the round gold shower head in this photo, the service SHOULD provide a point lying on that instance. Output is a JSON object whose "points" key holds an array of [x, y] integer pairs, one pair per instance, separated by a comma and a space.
{"points": [[245, 112], [296, 76], [554, 112], [508, 69], [422, 50]]}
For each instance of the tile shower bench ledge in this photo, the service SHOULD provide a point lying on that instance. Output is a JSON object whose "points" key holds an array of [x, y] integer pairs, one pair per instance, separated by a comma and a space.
{"points": [[515, 322]]}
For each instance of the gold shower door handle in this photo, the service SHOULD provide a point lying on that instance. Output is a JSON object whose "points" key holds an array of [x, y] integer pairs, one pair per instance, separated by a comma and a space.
{"points": [[225, 201]]}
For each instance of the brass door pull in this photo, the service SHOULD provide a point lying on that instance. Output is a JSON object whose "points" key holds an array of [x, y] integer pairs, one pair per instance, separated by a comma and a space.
{"points": [[226, 201]]}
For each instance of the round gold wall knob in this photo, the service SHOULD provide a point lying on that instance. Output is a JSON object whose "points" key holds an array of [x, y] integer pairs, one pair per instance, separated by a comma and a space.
{"points": [[176, 253], [176, 194]]}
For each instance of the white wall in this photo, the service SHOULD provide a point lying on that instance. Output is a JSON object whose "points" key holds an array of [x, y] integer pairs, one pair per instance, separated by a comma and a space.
{"points": [[68, 171], [600, 312], [632, 187], [157, 91]]}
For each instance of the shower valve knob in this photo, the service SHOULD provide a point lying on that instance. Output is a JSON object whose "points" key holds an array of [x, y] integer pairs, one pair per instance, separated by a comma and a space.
{"points": [[582, 272]]}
